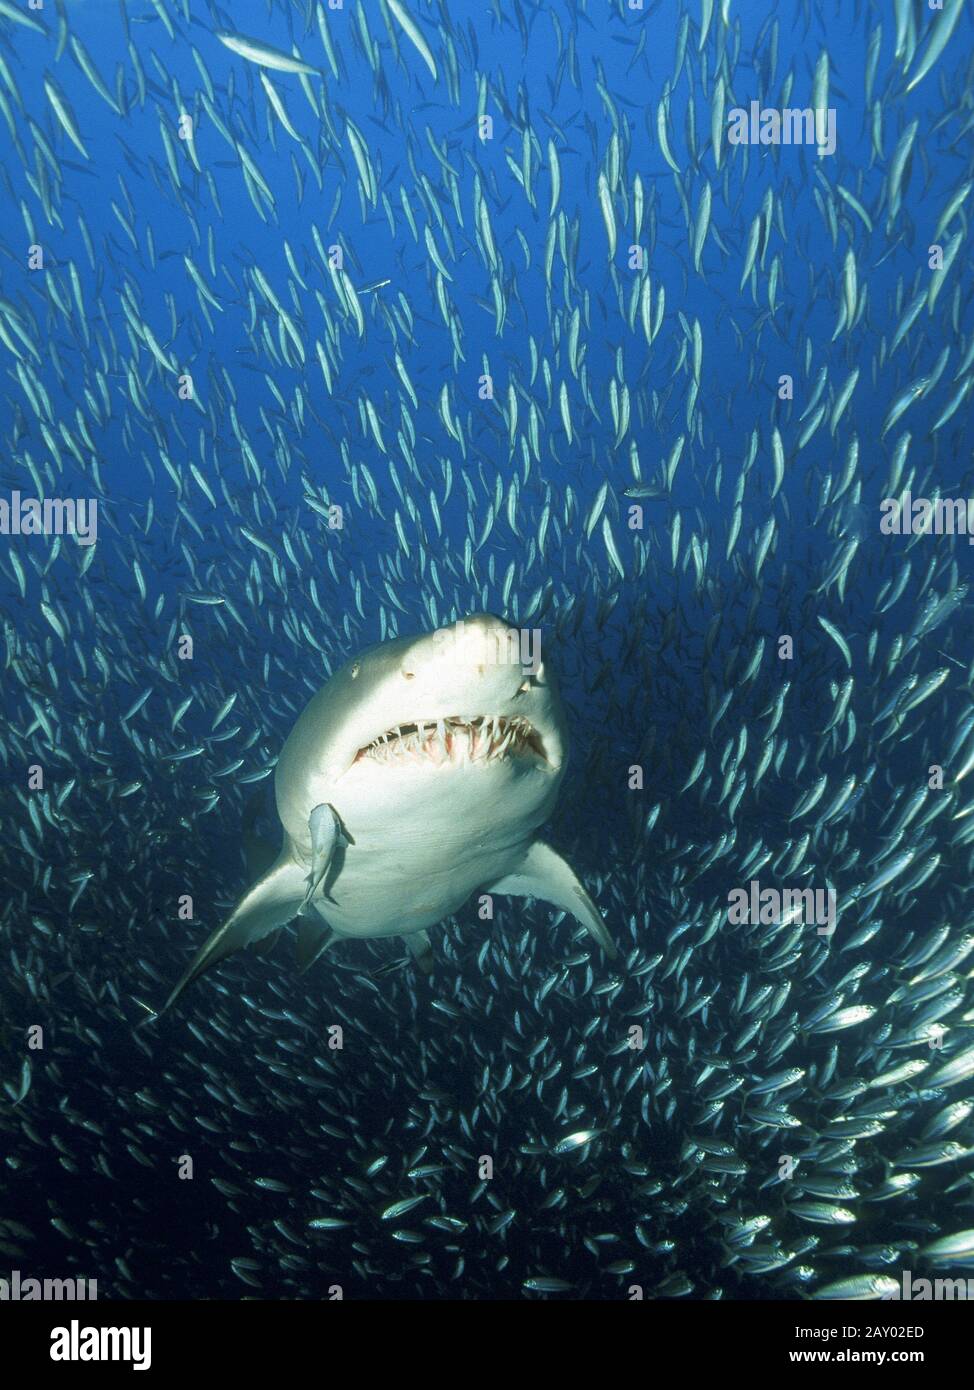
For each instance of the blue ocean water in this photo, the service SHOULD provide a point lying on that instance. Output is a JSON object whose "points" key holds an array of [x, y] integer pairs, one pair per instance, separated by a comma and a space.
{"points": [[349, 321]]}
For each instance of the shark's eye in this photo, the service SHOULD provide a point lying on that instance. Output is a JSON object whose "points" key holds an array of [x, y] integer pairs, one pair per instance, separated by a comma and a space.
{"points": [[408, 675]]}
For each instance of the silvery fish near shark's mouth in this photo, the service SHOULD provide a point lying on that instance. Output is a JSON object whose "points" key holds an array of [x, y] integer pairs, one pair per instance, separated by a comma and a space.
{"points": [[481, 739]]}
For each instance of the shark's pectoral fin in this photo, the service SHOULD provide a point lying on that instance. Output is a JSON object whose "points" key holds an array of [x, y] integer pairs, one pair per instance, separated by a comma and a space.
{"points": [[271, 902], [260, 853], [314, 937], [544, 874], [421, 950]]}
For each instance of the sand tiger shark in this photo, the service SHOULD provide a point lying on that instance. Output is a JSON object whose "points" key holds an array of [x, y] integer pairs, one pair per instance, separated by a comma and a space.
{"points": [[418, 775]]}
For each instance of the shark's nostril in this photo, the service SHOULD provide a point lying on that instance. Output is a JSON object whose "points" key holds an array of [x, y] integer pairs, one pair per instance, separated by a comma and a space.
{"points": [[408, 675]]}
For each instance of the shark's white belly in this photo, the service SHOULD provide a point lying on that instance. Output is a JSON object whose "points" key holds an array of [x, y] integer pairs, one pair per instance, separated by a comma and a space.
{"points": [[394, 892], [424, 840]]}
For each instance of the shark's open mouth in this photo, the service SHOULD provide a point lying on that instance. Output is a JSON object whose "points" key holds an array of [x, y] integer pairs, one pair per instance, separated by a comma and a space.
{"points": [[455, 740]]}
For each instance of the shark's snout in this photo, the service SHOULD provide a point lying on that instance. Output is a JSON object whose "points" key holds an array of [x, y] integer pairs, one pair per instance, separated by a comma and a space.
{"points": [[469, 648]]}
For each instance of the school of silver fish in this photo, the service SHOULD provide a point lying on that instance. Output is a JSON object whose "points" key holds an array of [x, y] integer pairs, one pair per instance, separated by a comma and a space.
{"points": [[354, 319]]}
